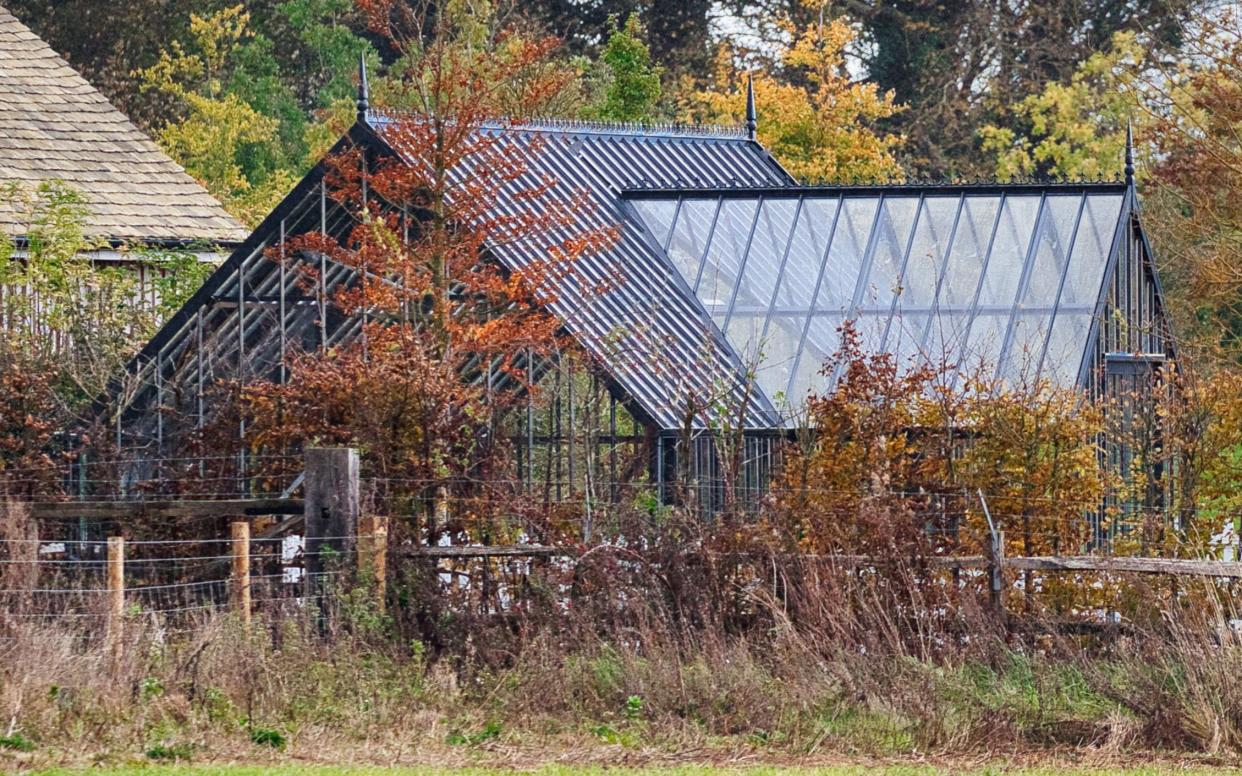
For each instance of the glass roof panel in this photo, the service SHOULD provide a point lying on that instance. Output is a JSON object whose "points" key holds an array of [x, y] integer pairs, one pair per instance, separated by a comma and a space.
{"points": [[763, 259], [927, 252], [777, 354], [729, 241], [845, 256], [984, 342], [870, 327], [970, 247], [1067, 345], [1030, 331], [822, 341], [796, 289], [888, 254], [1052, 249], [689, 240], [743, 333], [850, 238], [945, 336], [1091, 250], [1054, 236], [1071, 327], [976, 278], [1009, 250], [658, 215], [905, 338]]}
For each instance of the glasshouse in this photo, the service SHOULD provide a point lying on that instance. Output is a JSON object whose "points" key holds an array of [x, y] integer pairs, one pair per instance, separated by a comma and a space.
{"points": [[735, 283]]}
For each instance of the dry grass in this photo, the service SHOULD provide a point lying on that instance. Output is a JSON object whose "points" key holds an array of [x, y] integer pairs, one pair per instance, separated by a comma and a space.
{"points": [[678, 655]]}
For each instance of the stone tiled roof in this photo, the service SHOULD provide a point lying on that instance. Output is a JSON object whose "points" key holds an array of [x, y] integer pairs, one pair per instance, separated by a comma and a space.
{"points": [[55, 125]]}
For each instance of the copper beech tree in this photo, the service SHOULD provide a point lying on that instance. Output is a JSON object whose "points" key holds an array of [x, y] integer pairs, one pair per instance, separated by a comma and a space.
{"points": [[447, 333], [900, 452]]}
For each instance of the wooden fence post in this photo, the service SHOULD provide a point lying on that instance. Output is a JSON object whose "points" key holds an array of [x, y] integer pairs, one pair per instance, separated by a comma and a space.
{"points": [[240, 579], [116, 591], [373, 554], [996, 568], [996, 560], [331, 509]]}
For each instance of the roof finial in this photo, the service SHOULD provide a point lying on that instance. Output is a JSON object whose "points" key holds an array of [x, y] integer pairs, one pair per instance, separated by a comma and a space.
{"points": [[1129, 152], [364, 91], [752, 117]]}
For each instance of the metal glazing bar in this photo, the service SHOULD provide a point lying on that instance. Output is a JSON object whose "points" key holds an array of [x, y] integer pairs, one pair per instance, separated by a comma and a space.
{"points": [[819, 280], [672, 226], [283, 322], [901, 271], [530, 420], [612, 447], [707, 244], [944, 270], [741, 265], [1069, 256], [780, 271], [983, 274], [159, 402], [569, 389], [864, 274], [1044, 212]]}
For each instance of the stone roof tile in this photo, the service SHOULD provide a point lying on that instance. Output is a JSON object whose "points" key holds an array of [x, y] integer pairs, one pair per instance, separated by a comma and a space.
{"points": [[55, 125]]}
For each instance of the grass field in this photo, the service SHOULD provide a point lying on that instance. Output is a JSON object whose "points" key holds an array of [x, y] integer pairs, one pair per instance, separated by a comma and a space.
{"points": [[868, 769]]}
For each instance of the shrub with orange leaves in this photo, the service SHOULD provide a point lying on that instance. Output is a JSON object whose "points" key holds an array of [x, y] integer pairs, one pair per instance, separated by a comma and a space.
{"points": [[845, 486], [894, 459]]}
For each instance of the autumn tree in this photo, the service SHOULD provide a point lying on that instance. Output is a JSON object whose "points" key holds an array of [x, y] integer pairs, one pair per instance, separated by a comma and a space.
{"points": [[843, 487], [1073, 130], [818, 122], [450, 337]]}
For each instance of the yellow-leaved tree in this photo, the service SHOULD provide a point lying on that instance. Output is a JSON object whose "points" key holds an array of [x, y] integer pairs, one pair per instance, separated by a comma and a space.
{"points": [[1077, 129], [214, 131], [820, 123]]}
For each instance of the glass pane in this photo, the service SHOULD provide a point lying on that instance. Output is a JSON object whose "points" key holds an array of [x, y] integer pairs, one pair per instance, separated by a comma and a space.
{"points": [[849, 241], [776, 358], [806, 255], [763, 260], [970, 245], [986, 338], [927, 252], [694, 224], [870, 327], [657, 214], [889, 253], [1091, 249], [1009, 249], [1025, 351], [724, 255], [945, 338], [811, 360], [1067, 346], [905, 338], [743, 333], [1052, 250]]}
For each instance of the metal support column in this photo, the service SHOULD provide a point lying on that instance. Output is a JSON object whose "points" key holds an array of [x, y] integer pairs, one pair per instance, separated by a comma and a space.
{"points": [[283, 323]]}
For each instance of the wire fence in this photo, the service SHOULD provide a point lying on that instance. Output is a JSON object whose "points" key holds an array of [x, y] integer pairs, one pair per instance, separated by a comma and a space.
{"points": [[167, 583]]}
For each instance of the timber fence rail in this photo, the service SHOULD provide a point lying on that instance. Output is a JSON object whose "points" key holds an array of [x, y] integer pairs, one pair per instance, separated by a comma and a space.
{"points": [[79, 560]]}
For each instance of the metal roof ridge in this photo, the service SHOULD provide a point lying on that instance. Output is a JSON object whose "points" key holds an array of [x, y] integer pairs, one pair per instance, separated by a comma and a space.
{"points": [[907, 186], [596, 127]]}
